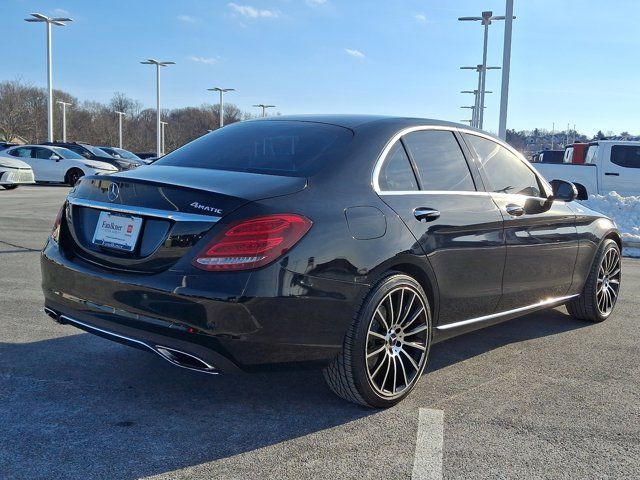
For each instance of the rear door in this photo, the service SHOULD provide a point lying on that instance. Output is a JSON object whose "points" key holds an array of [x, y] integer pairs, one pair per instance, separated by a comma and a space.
{"points": [[620, 169], [541, 236], [425, 178]]}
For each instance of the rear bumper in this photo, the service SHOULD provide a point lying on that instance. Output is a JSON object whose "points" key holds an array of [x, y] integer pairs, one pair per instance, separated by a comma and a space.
{"points": [[239, 321]]}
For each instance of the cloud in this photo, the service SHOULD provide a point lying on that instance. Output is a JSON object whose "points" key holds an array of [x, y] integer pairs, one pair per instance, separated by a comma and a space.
{"points": [[205, 60], [354, 53], [421, 17], [252, 12], [316, 3], [60, 12], [187, 18]]}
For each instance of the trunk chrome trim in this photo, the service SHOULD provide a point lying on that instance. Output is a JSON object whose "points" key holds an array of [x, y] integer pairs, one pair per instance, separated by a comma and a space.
{"points": [[543, 303], [143, 211]]}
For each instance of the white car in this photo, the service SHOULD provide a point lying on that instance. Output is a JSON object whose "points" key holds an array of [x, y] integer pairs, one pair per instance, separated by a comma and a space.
{"points": [[609, 165], [56, 164], [14, 172]]}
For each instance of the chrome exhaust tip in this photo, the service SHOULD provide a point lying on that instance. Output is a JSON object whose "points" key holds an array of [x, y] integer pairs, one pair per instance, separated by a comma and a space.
{"points": [[184, 359], [54, 315]]}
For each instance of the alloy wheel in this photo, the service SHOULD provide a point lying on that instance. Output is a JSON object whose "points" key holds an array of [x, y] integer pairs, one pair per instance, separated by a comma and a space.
{"points": [[608, 284], [397, 342]]}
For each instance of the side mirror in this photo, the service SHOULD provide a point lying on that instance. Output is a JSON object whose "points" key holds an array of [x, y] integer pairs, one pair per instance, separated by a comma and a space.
{"points": [[85, 155], [55, 157], [564, 191]]}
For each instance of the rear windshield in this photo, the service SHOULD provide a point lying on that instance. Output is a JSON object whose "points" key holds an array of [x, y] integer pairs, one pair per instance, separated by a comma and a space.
{"points": [[275, 147]]}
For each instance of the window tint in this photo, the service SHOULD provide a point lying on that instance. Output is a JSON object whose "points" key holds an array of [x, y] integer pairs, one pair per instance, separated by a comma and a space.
{"points": [[439, 160], [627, 156], [43, 153], [276, 147], [506, 172], [22, 152], [77, 149], [396, 173]]}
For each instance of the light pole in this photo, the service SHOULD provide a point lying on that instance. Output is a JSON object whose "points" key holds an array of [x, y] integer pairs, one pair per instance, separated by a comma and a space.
{"points": [[470, 120], [480, 69], [64, 118], [264, 108], [120, 115], [222, 92], [506, 68], [59, 21], [158, 64], [163, 124], [485, 19], [475, 96]]}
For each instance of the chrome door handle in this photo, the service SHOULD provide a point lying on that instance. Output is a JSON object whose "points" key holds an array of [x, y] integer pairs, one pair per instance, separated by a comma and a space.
{"points": [[425, 214], [514, 210]]}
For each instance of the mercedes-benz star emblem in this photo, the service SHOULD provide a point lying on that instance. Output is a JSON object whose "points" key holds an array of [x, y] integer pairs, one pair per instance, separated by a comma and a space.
{"points": [[113, 193]]}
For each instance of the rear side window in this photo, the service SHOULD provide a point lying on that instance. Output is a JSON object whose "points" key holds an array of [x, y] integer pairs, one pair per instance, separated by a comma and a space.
{"points": [[627, 156], [590, 157], [505, 171], [440, 162], [396, 173], [22, 152], [275, 147]]}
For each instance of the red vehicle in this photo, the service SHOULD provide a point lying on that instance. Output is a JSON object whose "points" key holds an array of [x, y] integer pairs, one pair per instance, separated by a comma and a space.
{"points": [[575, 153]]}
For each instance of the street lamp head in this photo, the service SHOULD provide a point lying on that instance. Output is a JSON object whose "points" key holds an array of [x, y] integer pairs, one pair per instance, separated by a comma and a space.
{"points": [[120, 113], [39, 17], [159, 63], [66, 104], [223, 90]]}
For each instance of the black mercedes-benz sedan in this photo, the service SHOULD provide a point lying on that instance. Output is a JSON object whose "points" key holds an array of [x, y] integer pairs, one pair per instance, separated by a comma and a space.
{"points": [[348, 242]]}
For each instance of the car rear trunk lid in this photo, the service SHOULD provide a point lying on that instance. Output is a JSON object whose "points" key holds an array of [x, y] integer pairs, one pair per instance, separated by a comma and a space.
{"points": [[168, 209]]}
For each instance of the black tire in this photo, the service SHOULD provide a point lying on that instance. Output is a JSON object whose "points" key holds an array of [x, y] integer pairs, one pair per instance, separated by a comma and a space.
{"points": [[10, 187], [605, 274], [356, 373], [72, 176]]}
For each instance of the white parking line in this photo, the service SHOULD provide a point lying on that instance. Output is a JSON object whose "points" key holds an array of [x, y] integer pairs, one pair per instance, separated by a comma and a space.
{"points": [[427, 462]]}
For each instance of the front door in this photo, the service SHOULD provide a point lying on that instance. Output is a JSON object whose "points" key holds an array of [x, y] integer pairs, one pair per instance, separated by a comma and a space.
{"points": [[541, 235], [425, 179], [620, 169]]}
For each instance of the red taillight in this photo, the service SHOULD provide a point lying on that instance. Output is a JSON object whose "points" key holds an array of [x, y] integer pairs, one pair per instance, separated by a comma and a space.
{"points": [[55, 231], [253, 243]]}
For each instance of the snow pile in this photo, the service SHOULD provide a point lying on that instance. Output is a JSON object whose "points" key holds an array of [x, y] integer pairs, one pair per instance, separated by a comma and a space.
{"points": [[625, 211]]}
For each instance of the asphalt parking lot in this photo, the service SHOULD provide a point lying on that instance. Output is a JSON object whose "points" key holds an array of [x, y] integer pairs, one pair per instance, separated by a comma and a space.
{"points": [[544, 396]]}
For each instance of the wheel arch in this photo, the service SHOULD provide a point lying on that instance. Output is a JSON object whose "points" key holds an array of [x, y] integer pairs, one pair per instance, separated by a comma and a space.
{"points": [[419, 270]]}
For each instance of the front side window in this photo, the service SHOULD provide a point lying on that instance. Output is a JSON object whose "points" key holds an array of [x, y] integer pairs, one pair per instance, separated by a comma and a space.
{"points": [[396, 173], [505, 171], [79, 150], [41, 153], [627, 156], [440, 162]]}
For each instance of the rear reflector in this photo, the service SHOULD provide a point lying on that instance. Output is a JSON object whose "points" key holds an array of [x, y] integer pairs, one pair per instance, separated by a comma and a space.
{"points": [[253, 243]]}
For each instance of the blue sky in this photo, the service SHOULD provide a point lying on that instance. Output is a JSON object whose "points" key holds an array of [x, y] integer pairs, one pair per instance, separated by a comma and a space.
{"points": [[573, 61]]}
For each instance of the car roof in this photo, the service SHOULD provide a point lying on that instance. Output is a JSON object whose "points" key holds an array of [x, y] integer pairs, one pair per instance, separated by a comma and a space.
{"points": [[353, 121]]}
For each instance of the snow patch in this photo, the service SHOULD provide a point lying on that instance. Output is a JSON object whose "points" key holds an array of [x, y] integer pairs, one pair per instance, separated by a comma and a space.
{"points": [[625, 211]]}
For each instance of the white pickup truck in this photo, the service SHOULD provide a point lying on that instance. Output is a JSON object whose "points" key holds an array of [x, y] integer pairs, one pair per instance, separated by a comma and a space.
{"points": [[610, 165]]}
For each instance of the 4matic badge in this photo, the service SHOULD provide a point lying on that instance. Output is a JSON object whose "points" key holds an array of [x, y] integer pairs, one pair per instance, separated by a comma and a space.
{"points": [[206, 208]]}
